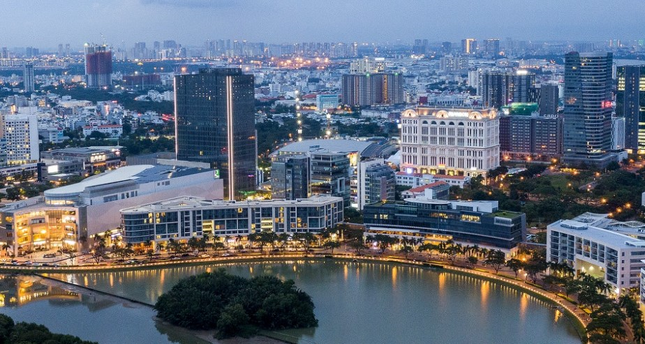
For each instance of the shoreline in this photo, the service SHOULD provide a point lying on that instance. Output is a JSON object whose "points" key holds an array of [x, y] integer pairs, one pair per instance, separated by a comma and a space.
{"points": [[561, 304]]}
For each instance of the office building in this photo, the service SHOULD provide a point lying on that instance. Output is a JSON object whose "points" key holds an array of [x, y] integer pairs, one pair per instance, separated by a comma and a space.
{"points": [[630, 104], [617, 133], [436, 190], [98, 66], [28, 78], [67, 215], [214, 117], [468, 222], [161, 221], [491, 47], [327, 102], [330, 175], [587, 108], [93, 159], [449, 141], [549, 99], [21, 136], [376, 182], [588, 245], [469, 46], [500, 88], [290, 177]]}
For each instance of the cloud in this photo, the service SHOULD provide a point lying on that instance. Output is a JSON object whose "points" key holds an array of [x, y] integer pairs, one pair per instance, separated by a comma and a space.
{"points": [[192, 3]]}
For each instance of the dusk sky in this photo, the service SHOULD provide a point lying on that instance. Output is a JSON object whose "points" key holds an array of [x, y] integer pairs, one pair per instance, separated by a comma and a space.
{"points": [[45, 23]]}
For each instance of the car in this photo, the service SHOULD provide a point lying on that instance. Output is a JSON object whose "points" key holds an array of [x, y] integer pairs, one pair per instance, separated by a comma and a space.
{"points": [[204, 255], [49, 255]]}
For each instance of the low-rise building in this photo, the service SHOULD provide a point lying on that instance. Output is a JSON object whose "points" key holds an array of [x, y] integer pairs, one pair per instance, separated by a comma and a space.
{"points": [[185, 217], [94, 158], [473, 222], [418, 179], [436, 190], [73, 213], [586, 245]]}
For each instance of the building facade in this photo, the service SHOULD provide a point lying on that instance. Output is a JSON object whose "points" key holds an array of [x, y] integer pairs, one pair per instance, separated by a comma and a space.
{"points": [[587, 108], [370, 89], [630, 104], [474, 222], [330, 175], [21, 136], [214, 116], [187, 217], [98, 66], [549, 99], [532, 137], [290, 177], [28, 78], [588, 247], [69, 214], [449, 141], [376, 183]]}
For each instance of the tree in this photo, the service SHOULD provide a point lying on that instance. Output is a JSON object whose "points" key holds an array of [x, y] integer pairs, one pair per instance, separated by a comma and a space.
{"points": [[357, 244], [515, 265], [606, 324], [384, 241], [331, 245], [496, 259], [472, 260], [406, 250], [99, 248], [232, 321]]}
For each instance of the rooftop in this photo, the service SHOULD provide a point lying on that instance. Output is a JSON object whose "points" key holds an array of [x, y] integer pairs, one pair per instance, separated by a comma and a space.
{"points": [[427, 186], [320, 145], [195, 202], [138, 173], [598, 234]]}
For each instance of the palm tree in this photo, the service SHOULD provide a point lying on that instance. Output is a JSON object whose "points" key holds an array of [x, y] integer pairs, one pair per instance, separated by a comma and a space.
{"points": [[331, 245]]}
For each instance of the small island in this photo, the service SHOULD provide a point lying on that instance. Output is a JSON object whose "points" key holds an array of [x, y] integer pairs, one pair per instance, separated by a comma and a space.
{"points": [[236, 306]]}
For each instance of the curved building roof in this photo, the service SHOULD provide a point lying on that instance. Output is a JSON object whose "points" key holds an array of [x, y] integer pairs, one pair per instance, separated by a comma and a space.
{"points": [[119, 175]]}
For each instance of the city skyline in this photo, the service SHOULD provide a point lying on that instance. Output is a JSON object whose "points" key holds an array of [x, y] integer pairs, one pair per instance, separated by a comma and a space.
{"points": [[123, 21]]}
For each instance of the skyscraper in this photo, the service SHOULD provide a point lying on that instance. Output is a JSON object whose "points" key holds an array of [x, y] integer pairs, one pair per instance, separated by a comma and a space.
{"points": [[587, 108], [630, 103], [499, 88], [549, 99], [98, 66], [469, 46], [28, 77], [214, 123]]}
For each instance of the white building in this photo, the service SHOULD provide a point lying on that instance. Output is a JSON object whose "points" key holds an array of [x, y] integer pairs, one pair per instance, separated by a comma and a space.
{"points": [[164, 220], [589, 247], [419, 179], [21, 135], [449, 141], [326, 101], [69, 213], [112, 130]]}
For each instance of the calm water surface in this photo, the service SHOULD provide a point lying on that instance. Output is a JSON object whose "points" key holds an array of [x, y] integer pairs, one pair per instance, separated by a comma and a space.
{"points": [[355, 303]]}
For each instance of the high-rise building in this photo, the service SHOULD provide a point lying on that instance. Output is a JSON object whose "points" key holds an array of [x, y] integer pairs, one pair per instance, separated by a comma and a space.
{"points": [[28, 78], [587, 108], [290, 177], [630, 104], [549, 99], [446, 47], [524, 134], [453, 141], [469, 46], [21, 136], [376, 183], [214, 116], [617, 133], [98, 66], [330, 175], [500, 88], [491, 47], [369, 89]]}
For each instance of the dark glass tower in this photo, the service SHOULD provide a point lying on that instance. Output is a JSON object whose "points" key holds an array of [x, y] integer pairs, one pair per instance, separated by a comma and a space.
{"points": [[215, 123], [630, 103], [587, 108]]}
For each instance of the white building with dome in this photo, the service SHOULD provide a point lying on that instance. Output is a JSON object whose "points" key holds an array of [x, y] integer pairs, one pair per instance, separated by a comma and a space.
{"points": [[450, 141]]}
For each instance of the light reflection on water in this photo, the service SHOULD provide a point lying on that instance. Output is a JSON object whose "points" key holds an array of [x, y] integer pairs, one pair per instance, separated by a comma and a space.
{"points": [[372, 302]]}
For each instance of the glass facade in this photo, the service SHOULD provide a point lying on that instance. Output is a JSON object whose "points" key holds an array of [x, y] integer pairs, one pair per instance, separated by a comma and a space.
{"points": [[587, 108], [630, 103], [215, 123]]}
